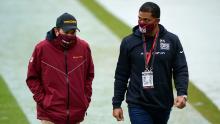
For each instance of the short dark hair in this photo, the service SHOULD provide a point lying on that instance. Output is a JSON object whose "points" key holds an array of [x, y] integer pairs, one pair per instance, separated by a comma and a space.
{"points": [[152, 8]]}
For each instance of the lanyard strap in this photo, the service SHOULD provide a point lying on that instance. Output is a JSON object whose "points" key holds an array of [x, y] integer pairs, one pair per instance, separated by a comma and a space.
{"points": [[147, 56]]}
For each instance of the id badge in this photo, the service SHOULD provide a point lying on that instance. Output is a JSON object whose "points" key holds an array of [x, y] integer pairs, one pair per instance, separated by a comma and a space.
{"points": [[147, 79]]}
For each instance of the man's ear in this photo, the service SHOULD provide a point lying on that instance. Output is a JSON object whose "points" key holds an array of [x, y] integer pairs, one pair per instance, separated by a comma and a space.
{"points": [[56, 31], [158, 20]]}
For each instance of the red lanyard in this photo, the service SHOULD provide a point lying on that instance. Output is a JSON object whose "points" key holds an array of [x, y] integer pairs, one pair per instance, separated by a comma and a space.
{"points": [[147, 56]]}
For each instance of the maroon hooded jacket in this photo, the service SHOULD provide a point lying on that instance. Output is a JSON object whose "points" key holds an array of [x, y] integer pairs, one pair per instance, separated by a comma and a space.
{"points": [[61, 81]]}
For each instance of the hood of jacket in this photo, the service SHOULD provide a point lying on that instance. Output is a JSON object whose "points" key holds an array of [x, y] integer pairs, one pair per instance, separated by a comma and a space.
{"points": [[50, 35]]}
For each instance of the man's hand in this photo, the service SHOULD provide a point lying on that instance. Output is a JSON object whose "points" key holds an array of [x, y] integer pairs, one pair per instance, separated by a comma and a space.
{"points": [[118, 114], [180, 102]]}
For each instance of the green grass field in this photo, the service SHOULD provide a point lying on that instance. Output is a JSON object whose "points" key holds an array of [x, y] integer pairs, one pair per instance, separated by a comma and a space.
{"points": [[196, 98], [203, 104], [10, 112]]}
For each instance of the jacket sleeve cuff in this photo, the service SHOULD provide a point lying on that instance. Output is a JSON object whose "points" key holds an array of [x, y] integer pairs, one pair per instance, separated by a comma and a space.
{"points": [[116, 105], [39, 98], [181, 93]]}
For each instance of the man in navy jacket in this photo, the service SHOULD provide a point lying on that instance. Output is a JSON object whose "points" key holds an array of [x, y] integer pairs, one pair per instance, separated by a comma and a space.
{"points": [[149, 59]]}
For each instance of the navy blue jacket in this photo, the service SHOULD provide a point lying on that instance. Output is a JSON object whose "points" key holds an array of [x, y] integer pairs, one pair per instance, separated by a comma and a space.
{"points": [[169, 62]]}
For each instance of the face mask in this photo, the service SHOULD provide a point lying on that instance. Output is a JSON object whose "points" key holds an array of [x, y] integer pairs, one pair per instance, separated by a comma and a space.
{"points": [[146, 28], [66, 40]]}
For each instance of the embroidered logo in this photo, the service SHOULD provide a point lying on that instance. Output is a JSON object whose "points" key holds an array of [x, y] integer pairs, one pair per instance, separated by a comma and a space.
{"points": [[164, 46], [31, 59], [77, 57], [69, 21], [162, 41], [159, 53]]}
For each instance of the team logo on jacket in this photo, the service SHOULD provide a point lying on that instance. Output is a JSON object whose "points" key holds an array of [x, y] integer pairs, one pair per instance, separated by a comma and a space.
{"points": [[77, 57], [164, 45], [31, 59], [162, 41]]}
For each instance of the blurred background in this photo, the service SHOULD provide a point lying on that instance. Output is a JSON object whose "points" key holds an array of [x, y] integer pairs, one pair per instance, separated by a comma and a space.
{"points": [[24, 23]]}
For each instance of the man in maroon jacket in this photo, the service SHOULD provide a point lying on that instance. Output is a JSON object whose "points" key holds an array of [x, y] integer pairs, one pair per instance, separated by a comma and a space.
{"points": [[60, 74]]}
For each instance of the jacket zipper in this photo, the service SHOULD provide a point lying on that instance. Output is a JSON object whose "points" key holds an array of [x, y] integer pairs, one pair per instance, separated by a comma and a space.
{"points": [[68, 92]]}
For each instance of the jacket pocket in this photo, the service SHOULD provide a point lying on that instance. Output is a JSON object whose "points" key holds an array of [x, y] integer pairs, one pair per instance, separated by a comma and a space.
{"points": [[47, 101], [77, 114]]}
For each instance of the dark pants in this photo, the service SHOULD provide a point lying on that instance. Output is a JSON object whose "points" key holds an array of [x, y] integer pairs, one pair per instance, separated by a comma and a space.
{"points": [[138, 115]]}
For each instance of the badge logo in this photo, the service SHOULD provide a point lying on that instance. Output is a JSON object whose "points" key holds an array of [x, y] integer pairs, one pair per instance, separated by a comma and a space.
{"points": [[164, 46]]}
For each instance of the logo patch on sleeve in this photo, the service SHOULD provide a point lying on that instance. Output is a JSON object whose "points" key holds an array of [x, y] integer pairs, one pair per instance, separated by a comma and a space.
{"points": [[31, 59]]}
